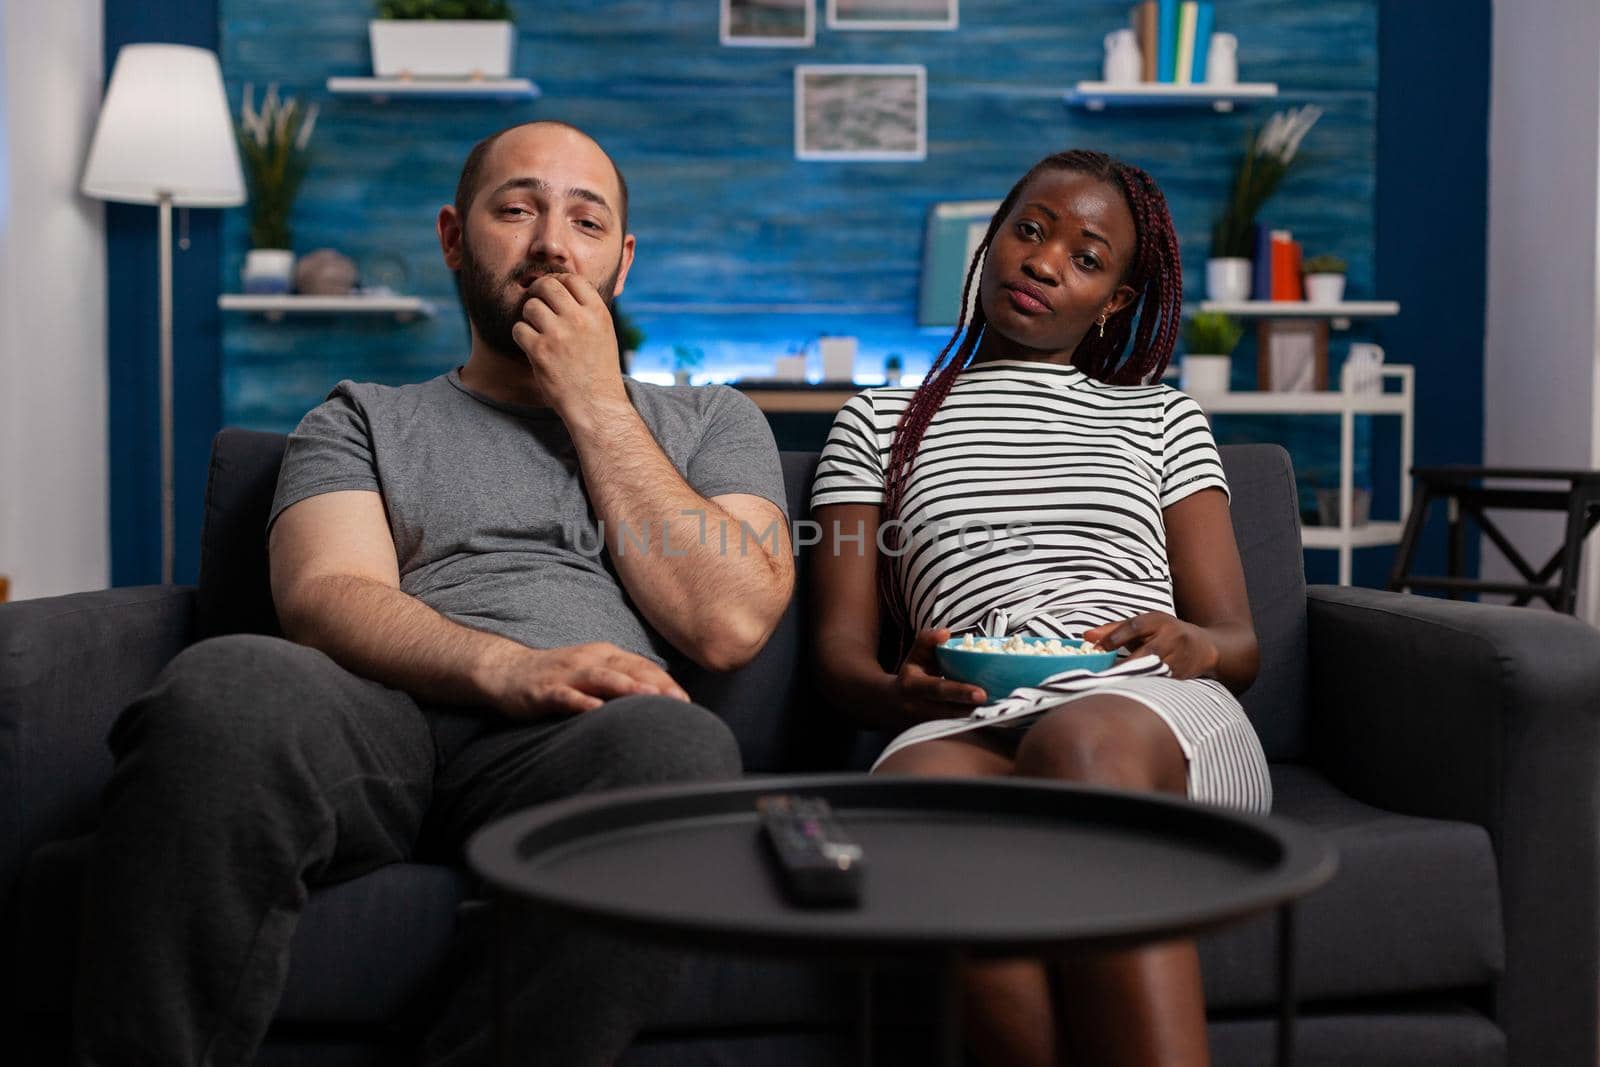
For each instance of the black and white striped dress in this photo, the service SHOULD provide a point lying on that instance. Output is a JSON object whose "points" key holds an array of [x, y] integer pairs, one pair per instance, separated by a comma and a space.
{"points": [[1035, 506]]}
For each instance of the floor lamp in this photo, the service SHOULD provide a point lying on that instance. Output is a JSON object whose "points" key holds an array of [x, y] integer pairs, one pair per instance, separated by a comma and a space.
{"points": [[165, 137]]}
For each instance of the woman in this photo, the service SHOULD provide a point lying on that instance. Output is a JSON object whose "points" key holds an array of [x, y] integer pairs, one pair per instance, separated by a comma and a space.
{"points": [[1104, 515]]}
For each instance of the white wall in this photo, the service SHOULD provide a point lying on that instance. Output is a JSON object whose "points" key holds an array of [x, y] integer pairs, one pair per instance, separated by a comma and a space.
{"points": [[54, 505], [1542, 348]]}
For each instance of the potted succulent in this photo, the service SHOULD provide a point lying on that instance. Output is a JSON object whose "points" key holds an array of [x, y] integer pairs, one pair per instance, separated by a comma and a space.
{"points": [[273, 144], [1209, 339], [1266, 160], [1324, 279], [442, 39]]}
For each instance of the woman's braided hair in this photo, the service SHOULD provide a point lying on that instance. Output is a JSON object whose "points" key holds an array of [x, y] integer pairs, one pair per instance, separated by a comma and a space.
{"points": [[1155, 276]]}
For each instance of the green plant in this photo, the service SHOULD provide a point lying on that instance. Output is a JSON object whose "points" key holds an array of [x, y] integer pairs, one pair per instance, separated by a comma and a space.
{"points": [[629, 336], [1211, 333], [687, 357], [1324, 265], [488, 10], [273, 150], [1266, 160]]}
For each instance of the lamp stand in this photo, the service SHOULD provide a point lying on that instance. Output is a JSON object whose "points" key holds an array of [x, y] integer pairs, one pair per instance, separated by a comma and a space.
{"points": [[168, 514]]}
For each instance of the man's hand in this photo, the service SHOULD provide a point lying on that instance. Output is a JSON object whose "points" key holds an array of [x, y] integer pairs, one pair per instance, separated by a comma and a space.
{"points": [[528, 682], [1185, 648], [922, 693], [571, 344]]}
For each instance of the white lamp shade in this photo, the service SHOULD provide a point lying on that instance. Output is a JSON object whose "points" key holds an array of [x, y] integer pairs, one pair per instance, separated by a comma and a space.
{"points": [[165, 128]]}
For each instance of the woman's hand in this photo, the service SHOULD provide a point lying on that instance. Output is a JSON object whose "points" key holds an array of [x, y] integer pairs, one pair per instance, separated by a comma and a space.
{"points": [[1186, 649], [922, 693]]}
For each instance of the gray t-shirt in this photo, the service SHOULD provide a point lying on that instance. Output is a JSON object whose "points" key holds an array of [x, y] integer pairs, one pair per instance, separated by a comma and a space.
{"points": [[486, 502]]}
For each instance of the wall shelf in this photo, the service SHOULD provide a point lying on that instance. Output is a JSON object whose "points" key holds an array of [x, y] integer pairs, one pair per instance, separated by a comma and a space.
{"points": [[275, 307], [1097, 96], [1338, 315], [381, 89]]}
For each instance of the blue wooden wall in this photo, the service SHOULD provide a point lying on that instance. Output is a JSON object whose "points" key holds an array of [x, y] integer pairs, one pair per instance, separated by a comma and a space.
{"points": [[745, 252]]}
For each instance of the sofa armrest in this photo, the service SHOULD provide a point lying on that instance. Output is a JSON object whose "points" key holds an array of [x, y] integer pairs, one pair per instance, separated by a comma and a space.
{"points": [[1488, 714], [68, 666]]}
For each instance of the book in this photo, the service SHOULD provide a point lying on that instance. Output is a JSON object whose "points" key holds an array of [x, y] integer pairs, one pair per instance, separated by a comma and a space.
{"points": [[1285, 267], [1187, 11], [1149, 32], [1205, 21], [1261, 268], [1166, 39]]}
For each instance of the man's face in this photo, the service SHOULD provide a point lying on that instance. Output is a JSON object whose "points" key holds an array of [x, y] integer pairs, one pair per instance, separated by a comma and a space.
{"points": [[548, 203]]}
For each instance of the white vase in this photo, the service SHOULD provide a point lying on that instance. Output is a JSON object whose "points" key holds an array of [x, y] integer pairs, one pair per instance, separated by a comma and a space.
{"points": [[1204, 375], [268, 270], [680, 377], [441, 48], [1324, 288], [1228, 279]]}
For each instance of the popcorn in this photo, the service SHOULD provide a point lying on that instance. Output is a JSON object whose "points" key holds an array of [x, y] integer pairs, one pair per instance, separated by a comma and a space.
{"points": [[1016, 646]]}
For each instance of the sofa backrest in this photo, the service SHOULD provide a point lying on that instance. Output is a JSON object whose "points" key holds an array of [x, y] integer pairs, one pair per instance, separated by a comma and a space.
{"points": [[770, 703]]}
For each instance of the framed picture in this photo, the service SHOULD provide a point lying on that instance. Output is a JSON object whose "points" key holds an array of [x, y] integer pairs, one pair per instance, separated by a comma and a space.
{"points": [[893, 14], [1292, 355], [868, 112], [769, 23]]}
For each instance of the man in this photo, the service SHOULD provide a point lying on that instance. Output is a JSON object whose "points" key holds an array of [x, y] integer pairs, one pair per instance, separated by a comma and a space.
{"points": [[459, 644]]}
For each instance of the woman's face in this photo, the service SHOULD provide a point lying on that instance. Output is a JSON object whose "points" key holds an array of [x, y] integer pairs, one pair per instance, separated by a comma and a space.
{"points": [[1056, 263]]}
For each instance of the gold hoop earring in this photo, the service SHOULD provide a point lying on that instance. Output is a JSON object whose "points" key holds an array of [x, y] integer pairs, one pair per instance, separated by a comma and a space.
{"points": [[1102, 325]]}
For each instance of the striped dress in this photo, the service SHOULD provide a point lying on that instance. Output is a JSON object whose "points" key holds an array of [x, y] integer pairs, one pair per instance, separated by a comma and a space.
{"points": [[1035, 507]]}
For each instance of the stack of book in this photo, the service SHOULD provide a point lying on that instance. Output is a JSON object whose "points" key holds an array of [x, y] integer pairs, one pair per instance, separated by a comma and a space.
{"points": [[1276, 269], [1174, 38]]}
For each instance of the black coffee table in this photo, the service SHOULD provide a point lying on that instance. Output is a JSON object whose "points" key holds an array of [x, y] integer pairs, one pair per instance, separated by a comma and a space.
{"points": [[956, 869]]}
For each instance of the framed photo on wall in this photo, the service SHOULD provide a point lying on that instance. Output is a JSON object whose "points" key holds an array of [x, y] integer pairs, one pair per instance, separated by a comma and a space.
{"points": [[769, 23], [861, 112], [893, 14]]}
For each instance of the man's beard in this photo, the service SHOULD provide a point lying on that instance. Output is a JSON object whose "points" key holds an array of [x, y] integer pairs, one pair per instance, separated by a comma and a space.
{"points": [[494, 306]]}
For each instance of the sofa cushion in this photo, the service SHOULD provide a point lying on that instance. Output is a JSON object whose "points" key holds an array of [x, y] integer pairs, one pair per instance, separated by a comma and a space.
{"points": [[362, 950]]}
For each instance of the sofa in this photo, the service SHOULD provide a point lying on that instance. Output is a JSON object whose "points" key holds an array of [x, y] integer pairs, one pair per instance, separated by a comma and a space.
{"points": [[1448, 749]]}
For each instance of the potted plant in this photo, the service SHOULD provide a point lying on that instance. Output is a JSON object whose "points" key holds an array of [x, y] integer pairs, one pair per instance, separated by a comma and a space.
{"points": [[629, 336], [1209, 338], [273, 144], [685, 360], [1266, 160], [1324, 279], [442, 39], [893, 367]]}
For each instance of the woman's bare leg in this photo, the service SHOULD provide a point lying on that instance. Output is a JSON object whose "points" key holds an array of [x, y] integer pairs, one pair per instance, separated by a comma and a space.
{"points": [[1141, 1007], [1009, 1019]]}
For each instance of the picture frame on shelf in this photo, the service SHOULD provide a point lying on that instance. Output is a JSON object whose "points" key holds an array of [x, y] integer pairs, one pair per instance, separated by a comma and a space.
{"points": [[1292, 355], [863, 112], [894, 14], [768, 23]]}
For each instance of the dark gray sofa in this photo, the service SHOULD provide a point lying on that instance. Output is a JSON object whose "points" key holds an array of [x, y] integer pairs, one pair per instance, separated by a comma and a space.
{"points": [[1448, 749]]}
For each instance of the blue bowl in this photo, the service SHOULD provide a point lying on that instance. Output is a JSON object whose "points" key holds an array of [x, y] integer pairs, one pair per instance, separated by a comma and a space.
{"points": [[998, 673]]}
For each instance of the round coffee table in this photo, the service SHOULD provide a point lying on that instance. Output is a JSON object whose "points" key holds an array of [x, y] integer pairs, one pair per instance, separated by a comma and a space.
{"points": [[955, 869]]}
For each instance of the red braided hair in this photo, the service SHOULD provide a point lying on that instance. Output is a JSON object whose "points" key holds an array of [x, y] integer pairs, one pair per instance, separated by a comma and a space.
{"points": [[1156, 277]]}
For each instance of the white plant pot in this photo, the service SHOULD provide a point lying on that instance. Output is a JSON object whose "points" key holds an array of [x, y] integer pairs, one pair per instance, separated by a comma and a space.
{"points": [[1228, 279], [441, 48], [1204, 375], [1324, 288], [268, 270], [680, 377]]}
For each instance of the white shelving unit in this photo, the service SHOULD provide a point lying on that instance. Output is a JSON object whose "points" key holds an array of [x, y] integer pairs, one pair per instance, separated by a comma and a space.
{"points": [[1097, 96], [1338, 315], [381, 89], [1346, 404], [275, 307]]}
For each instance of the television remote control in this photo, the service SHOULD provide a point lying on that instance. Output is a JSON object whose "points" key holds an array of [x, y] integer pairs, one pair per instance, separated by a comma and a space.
{"points": [[820, 865]]}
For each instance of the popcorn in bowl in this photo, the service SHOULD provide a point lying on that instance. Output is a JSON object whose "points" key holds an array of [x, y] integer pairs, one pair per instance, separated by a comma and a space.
{"points": [[1015, 645]]}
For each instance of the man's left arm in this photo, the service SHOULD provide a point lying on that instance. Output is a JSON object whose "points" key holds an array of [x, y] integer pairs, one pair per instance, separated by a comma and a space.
{"points": [[713, 576]]}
